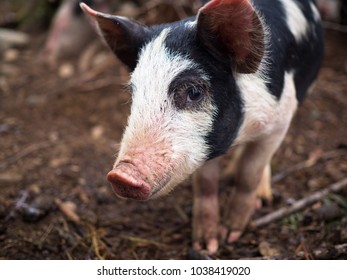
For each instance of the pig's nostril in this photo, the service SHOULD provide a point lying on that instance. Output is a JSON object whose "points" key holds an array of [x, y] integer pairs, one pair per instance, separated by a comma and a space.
{"points": [[126, 185]]}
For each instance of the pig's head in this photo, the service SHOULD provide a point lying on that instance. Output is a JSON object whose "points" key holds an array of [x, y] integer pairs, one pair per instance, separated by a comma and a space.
{"points": [[186, 107]]}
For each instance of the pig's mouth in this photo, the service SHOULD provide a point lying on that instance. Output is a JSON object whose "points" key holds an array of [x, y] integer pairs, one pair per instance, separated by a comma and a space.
{"points": [[129, 181]]}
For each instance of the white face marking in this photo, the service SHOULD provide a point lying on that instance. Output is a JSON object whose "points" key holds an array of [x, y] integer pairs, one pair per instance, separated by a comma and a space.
{"points": [[296, 20], [263, 113], [155, 121], [315, 12]]}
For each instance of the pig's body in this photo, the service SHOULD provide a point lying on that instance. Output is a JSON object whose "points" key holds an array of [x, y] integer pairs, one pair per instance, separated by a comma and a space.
{"points": [[231, 77], [333, 10], [70, 31]]}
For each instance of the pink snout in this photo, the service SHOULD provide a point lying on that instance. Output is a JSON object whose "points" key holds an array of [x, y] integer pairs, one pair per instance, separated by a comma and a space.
{"points": [[127, 182]]}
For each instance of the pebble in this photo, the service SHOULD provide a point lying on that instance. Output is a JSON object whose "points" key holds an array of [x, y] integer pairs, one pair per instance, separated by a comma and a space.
{"points": [[34, 189], [320, 253], [333, 171], [58, 162], [11, 55], [75, 168], [66, 70], [97, 132], [89, 216], [329, 212], [31, 214], [37, 209], [266, 250], [104, 195], [314, 183]]}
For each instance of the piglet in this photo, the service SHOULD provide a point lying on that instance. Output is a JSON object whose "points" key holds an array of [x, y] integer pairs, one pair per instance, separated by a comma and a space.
{"points": [[230, 78], [69, 31]]}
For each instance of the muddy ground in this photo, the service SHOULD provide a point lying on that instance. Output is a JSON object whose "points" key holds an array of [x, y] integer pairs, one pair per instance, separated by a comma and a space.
{"points": [[59, 133]]}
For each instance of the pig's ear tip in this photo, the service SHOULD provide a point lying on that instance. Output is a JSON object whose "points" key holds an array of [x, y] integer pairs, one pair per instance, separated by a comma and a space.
{"points": [[85, 8]]}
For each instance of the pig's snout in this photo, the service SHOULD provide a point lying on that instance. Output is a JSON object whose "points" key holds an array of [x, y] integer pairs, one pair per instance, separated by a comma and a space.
{"points": [[127, 182]]}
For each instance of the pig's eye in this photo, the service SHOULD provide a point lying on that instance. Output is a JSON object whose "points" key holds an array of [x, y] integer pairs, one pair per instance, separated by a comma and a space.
{"points": [[188, 96], [194, 94]]}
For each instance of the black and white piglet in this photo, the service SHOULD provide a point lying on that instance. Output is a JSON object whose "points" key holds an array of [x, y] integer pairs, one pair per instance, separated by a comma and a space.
{"points": [[231, 77]]}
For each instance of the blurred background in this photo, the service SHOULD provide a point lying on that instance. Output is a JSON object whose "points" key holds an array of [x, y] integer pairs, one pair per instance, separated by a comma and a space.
{"points": [[63, 108]]}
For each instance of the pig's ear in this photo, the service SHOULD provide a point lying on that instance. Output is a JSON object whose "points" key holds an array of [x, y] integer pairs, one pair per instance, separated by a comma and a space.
{"points": [[232, 28], [124, 36]]}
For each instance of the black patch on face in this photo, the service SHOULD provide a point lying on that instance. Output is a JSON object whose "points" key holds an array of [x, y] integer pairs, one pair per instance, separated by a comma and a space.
{"points": [[230, 114], [222, 90]]}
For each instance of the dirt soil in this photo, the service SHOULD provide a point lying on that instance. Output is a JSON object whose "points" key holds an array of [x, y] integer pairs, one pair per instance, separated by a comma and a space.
{"points": [[59, 134]]}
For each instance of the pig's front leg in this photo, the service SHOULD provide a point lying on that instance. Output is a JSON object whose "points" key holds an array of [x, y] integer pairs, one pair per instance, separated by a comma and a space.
{"points": [[251, 179], [206, 207]]}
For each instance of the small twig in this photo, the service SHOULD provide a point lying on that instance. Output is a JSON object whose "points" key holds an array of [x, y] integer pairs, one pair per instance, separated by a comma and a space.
{"points": [[327, 253], [101, 83], [144, 242], [46, 233], [181, 213], [335, 26], [300, 204], [95, 242], [78, 81], [153, 4], [68, 209], [19, 204], [150, 5], [25, 152], [180, 11], [313, 158], [303, 250], [98, 244], [341, 248]]}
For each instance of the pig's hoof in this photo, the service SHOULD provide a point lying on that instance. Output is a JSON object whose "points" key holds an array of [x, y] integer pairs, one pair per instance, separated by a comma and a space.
{"points": [[233, 236], [229, 236], [264, 187], [258, 203], [211, 246], [205, 240]]}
